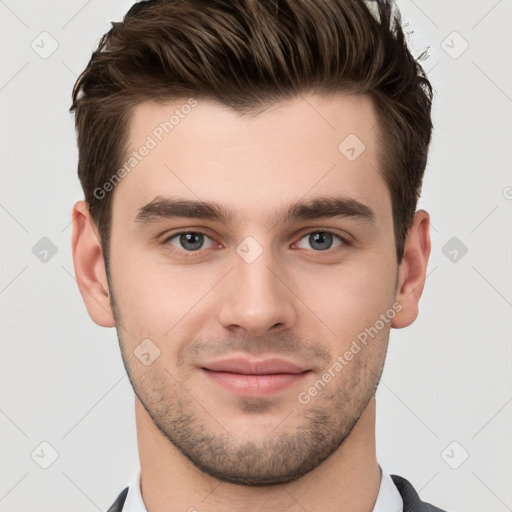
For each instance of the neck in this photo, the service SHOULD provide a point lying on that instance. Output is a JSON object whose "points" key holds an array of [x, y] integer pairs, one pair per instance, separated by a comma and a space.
{"points": [[348, 480]]}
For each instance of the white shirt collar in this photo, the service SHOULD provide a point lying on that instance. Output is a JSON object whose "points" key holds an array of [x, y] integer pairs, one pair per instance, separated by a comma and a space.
{"points": [[388, 499], [134, 502]]}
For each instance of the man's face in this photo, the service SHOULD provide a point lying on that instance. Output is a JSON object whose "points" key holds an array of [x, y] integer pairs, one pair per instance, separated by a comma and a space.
{"points": [[221, 298]]}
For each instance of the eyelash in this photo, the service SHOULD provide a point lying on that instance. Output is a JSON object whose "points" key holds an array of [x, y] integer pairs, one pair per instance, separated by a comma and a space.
{"points": [[192, 254]]}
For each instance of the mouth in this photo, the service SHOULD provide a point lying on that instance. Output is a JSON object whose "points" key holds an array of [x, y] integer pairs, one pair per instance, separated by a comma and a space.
{"points": [[254, 378]]}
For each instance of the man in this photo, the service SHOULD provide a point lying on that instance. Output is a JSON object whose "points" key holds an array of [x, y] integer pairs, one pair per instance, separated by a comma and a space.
{"points": [[251, 171]]}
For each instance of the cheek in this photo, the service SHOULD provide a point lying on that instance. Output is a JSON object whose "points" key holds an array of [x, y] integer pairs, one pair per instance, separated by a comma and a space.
{"points": [[156, 299], [348, 298]]}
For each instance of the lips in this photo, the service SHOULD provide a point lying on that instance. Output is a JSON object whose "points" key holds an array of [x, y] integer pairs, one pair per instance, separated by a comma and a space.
{"points": [[254, 378], [247, 367]]}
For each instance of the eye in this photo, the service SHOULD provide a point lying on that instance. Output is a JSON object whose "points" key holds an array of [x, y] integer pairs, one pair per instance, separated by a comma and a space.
{"points": [[322, 240], [185, 243], [188, 241]]}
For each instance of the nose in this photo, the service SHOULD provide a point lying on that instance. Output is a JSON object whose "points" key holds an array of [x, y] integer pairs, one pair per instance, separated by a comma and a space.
{"points": [[256, 297]]}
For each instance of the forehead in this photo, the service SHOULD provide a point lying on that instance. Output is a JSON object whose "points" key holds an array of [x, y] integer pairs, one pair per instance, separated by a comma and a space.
{"points": [[306, 146]]}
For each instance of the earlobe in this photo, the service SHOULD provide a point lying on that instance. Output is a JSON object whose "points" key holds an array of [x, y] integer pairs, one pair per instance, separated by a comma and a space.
{"points": [[90, 267], [413, 270]]}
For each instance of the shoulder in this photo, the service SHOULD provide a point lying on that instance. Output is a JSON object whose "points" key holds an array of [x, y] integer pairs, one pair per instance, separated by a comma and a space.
{"points": [[117, 506], [411, 499]]}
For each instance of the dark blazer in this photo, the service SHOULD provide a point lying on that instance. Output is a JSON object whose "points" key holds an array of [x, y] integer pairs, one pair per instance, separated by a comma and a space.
{"points": [[412, 502]]}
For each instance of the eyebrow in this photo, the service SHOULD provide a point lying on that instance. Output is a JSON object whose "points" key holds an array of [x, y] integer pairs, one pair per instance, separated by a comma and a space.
{"points": [[161, 208]]}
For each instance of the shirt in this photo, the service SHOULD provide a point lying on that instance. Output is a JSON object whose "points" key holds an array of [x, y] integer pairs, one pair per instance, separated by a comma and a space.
{"points": [[388, 499]]}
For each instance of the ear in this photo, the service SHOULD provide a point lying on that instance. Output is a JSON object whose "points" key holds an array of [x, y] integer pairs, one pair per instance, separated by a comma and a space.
{"points": [[413, 269], [89, 266]]}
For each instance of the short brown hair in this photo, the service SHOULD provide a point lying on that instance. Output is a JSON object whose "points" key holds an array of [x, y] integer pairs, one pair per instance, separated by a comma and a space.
{"points": [[246, 54]]}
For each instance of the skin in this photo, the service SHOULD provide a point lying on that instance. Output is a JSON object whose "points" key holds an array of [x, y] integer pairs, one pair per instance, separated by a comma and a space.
{"points": [[201, 445]]}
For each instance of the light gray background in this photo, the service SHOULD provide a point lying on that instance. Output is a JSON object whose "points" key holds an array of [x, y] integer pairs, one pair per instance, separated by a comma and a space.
{"points": [[448, 377]]}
